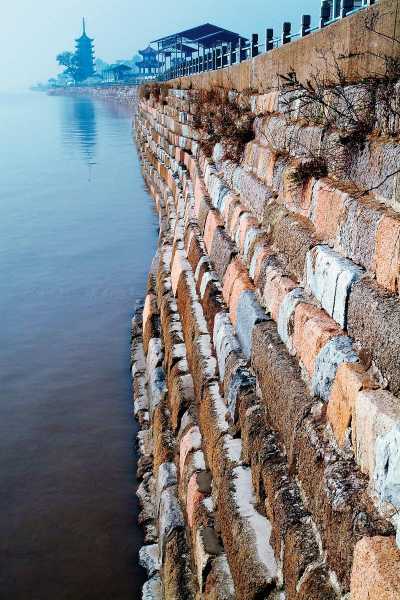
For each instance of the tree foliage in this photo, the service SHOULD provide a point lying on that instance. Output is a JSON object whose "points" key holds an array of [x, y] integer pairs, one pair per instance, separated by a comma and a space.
{"points": [[70, 62]]}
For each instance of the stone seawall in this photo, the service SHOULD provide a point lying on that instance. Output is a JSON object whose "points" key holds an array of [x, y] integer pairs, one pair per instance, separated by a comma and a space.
{"points": [[265, 358], [119, 93]]}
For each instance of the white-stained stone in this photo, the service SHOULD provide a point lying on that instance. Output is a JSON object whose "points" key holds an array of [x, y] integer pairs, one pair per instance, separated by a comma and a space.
{"points": [[338, 350], [251, 235], [286, 312], [154, 354], [166, 476], [249, 313], [330, 277], [258, 527], [387, 466], [224, 339], [152, 589], [149, 559], [376, 441], [170, 516], [239, 380]]}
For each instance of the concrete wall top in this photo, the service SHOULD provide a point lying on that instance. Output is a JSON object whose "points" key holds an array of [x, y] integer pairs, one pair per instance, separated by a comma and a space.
{"points": [[349, 38]]}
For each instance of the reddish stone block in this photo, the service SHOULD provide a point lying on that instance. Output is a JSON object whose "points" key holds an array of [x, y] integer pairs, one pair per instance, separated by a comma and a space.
{"points": [[376, 569], [350, 379], [246, 222], [213, 221], [241, 284], [387, 253], [275, 289], [193, 498], [313, 328], [329, 209], [234, 269]]}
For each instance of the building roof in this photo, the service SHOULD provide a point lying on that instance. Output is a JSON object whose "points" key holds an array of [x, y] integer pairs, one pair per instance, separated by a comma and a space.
{"points": [[148, 51], [205, 35]]}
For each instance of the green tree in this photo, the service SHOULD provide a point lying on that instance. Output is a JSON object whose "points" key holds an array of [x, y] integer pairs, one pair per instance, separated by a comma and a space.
{"points": [[69, 61]]}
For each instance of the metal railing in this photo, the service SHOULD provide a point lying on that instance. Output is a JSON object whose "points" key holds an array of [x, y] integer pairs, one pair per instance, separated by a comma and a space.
{"points": [[227, 54]]}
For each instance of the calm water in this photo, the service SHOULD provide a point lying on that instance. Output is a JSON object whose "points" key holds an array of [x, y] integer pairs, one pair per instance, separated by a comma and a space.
{"points": [[77, 233]]}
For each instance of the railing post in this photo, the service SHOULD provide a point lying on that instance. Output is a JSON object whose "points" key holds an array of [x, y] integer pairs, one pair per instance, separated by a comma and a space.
{"points": [[346, 7], [305, 25], [254, 45], [269, 37], [239, 47], [286, 32], [325, 13]]}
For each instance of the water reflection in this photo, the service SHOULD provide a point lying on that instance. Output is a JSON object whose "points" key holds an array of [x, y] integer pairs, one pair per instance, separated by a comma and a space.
{"points": [[74, 260], [80, 127]]}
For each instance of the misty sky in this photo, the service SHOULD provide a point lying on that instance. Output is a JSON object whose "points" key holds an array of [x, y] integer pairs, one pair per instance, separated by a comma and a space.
{"points": [[34, 31]]}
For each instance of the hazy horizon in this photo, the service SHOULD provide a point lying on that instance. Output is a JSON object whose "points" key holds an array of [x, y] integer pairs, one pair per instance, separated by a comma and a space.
{"points": [[34, 36]]}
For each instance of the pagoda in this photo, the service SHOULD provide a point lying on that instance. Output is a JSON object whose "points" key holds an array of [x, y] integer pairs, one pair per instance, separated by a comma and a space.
{"points": [[149, 64], [84, 54]]}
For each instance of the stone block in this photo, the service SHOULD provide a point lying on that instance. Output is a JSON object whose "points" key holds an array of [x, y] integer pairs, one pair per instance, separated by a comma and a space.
{"points": [[374, 321], [376, 413], [350, 379], [283, 393], [246, 533], [375, 573], [149, 559], [180, 397], [387, 253], [152, 589], [358, 230], [170, 516], [285, 319], [249, 313], [336, 494], [328, 210], [277, 286], [387, 468], [213, 221], [212, 416], [330, 277], [219, 584], [222, 251], [177, 576], [294, 236], [194, 496], [336, 351], [313, 328], [190, 442], [224, 340]]}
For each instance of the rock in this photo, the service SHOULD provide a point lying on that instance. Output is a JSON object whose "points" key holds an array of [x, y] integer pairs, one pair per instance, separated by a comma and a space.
{"points": [[376, 413], [285, 320], [246, 534], [336, 351], [387, 466], [224, 340], [249, 313], [330, 277], [149, 559], [376, 570], [152, 589], [350, 379], [374, 321]]}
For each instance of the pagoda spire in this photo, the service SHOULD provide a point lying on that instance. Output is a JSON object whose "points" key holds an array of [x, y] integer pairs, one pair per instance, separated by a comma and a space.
{"points": [[83, 26]]}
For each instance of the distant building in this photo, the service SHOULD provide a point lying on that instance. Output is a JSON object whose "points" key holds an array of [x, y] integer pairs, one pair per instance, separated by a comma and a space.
{"points": [[84, 53], [149, 63]]}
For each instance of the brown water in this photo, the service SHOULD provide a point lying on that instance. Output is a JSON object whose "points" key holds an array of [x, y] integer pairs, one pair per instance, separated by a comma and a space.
{"points": [[77, 233]]}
